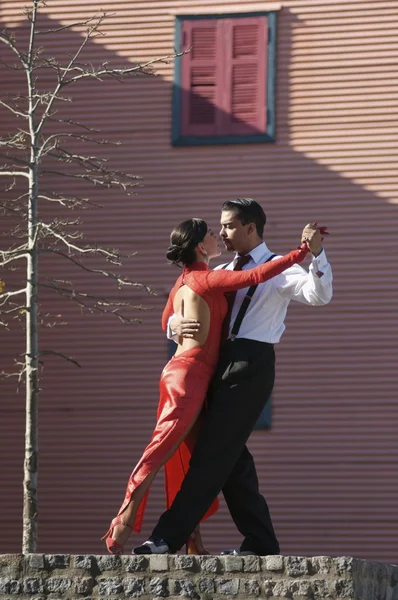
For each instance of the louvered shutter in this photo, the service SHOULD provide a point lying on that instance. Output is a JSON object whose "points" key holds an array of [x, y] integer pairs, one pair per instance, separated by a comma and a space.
{"points": [[246, 75], [200, 78]]}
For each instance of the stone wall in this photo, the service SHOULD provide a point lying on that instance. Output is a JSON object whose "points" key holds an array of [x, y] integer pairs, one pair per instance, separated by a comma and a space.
{"points": [[65, 577]]}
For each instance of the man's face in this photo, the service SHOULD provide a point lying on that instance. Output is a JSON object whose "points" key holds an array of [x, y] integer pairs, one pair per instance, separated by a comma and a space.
{"points": [[233, 233]]}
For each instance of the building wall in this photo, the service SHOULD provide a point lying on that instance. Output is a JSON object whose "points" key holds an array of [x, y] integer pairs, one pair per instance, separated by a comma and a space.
{"points": [[328, 465]]}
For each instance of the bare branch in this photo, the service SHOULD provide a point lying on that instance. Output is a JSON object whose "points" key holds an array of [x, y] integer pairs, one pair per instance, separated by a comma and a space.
{"points": [[19, 374], [5, 296], [9, 41], [47, 147], [18, 140], [61, 80], [75, 24], [8, 256], [94, 303], [20, 308], [107, 182], [18, 113], [71, 122], [121, 281], [15, 158], [61, 354], [13, 173], [71, 202], [112, 255], [103, 70]]}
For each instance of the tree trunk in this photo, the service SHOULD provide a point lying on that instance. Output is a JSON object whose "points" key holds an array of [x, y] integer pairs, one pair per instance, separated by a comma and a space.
{"points": [[30, 505]]}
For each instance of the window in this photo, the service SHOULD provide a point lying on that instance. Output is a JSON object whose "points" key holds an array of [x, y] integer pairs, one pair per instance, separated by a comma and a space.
{"points": [[224, 86]]}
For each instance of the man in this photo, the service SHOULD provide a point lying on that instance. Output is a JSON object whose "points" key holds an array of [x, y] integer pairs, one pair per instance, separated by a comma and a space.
{"points": [[242, 384]]}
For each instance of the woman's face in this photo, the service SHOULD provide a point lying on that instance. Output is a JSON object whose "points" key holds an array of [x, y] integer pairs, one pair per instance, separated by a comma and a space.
{"points": [[210, 244]]}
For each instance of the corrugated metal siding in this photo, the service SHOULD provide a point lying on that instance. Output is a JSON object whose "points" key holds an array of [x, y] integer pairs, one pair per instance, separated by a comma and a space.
{"points": [[328, 466]]}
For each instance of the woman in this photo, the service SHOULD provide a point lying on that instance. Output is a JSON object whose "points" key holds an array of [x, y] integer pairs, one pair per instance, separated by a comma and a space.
{"points": [[199, 294]]}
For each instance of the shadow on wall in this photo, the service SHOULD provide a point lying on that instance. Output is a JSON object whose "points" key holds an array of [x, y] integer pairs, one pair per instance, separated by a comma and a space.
{"points": [[81, 483]]}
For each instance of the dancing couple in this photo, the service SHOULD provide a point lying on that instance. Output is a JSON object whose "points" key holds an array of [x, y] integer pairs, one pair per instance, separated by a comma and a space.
{"points": [[214, 388]]}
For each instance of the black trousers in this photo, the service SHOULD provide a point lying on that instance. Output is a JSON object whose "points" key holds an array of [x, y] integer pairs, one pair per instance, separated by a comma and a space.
{"points": [[221, 461]]}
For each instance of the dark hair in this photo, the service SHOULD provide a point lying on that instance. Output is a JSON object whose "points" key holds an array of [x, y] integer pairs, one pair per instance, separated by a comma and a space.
{"points": [[183, 240], [247, 211]]}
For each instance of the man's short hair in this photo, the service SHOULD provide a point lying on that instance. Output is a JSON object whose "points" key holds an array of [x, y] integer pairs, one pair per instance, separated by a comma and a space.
{"points": [[247, 211]]}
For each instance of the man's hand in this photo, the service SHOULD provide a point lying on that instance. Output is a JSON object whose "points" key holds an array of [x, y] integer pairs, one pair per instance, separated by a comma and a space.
{"points": [[184, 327], [312, 235]]}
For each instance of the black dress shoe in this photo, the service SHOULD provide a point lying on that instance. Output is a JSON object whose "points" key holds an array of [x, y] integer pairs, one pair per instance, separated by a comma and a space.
{"points": [[234, 552], [153, 545]]}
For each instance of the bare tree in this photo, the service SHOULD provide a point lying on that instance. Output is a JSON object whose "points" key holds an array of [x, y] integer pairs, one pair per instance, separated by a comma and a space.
{"points": [[31, 153]]}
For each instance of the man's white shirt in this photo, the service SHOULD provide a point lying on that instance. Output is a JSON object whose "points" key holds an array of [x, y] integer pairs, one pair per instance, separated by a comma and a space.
{"points": [[265, 316]]}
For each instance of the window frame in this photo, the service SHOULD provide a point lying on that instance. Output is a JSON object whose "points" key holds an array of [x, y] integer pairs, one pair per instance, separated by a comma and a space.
{"points": [[178, 139]]}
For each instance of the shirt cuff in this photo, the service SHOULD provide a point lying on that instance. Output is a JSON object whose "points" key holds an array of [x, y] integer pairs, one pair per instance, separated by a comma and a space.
{"points": [[171, 335], [320, 261], [319, 264]]}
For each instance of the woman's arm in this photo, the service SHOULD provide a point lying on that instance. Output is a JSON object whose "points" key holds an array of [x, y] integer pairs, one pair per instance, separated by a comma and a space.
{"points": [[228, 281]]}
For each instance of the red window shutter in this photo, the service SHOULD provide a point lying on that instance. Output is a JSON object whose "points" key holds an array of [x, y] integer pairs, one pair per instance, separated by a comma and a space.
{"points": [[246, 75], [200, 77]]}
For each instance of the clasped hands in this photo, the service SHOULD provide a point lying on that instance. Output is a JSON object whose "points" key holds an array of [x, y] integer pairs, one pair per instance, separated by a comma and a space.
{"points": [[313, 236]]}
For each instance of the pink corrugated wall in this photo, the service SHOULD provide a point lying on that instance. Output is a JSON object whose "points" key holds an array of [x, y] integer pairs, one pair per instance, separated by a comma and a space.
{"points": [[328, 466]]}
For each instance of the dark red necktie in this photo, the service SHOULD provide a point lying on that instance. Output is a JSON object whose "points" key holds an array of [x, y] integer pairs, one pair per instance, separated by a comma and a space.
{"points": [[230, 297]]}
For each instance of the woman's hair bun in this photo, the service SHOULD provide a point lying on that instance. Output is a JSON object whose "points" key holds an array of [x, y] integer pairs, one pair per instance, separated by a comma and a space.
{"points": [[173, 253], [183, 240]]}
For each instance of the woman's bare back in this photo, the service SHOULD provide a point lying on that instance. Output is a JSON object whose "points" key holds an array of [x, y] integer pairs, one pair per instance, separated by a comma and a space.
{"points": [[192, 306]]}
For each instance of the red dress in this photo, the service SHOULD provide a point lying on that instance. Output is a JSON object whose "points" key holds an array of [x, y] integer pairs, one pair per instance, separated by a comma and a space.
{"points": [[186, 377]]}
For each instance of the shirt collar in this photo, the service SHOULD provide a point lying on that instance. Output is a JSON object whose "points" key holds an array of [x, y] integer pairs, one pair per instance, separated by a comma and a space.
{"points": [[259, 254]]}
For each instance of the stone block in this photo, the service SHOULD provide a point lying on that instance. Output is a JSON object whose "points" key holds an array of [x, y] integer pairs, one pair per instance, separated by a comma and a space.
{"points": [[135, 563], [159, 562], [84, 585], [159, 587], [299, 588], [322, 565], [108, 562], [296, 566], [58, 585], [251, 587], [232, 564], [344, 565], [33, 585], [36, 561], [109, 586], [251, 564], [228, 587], [345, 589], [206, 585], [208, 564], [185, 562], [10, 561], [134, 587], [278, 588], [9, 586], [320, 589], [57, 561], [185, 588], [83, 561], [273, 563]]}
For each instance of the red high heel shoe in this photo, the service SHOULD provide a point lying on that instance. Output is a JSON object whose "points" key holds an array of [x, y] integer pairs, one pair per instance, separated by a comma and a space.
{"points": [[194, 544], [112, 545]]}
